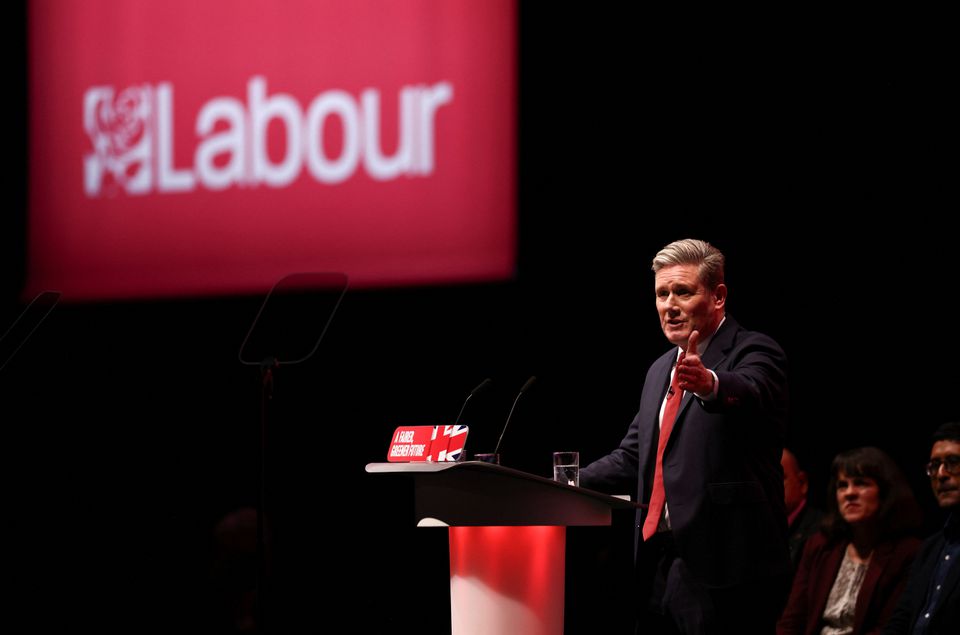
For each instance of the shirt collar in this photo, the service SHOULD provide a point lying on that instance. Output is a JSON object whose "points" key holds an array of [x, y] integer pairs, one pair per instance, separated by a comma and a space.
{"points": [[705, 342]]}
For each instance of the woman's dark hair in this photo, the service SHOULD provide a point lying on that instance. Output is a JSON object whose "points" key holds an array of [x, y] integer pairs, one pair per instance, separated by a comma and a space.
{"points": [[899, 513]]}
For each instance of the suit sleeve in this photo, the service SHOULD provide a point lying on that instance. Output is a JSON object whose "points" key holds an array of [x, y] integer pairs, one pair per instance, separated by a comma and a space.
{"points": [[753, 381], [615, 473]]}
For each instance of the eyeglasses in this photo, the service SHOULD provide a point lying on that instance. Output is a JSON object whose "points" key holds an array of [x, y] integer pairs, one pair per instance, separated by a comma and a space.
{"points": [[951, 465]]}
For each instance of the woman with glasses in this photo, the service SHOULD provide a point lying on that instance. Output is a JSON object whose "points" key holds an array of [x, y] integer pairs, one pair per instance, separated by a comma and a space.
{"points": [[851, 574]]}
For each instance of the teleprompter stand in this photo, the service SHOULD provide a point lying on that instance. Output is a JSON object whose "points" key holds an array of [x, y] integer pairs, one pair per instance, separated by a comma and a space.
{"points": [[286, 331], [26, 323]]}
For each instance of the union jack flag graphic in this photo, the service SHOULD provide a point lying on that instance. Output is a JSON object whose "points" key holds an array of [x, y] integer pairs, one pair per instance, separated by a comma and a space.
{"points": [[447, 443]]}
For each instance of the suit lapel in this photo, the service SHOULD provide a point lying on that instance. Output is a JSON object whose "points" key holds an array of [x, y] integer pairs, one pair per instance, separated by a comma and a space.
{"points": [[721, 344], [716, 352]]}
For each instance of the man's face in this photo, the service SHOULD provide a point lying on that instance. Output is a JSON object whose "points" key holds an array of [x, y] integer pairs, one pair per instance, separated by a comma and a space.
{"points": [[686, 305], [794, 482], [946, 486]]}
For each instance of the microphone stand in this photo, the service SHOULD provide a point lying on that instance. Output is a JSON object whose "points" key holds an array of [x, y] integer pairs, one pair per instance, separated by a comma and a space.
{"points": [[526, 387]]}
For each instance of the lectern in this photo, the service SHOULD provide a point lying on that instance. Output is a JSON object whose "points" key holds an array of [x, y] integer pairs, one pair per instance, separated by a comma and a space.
{"points": [[507, 540]]}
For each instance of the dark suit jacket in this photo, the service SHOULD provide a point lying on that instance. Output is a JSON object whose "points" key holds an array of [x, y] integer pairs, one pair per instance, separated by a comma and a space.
{"points": [[722, 474], [806, 524], [946, 620], [884, 581]]}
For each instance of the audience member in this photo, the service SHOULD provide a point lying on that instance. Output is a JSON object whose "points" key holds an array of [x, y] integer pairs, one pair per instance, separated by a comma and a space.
{"points": [[930, 605], [802, 520], [851, 574]]}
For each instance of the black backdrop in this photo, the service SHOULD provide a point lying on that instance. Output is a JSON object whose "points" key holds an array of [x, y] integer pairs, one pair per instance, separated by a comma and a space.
{"points": [[812, 150]]}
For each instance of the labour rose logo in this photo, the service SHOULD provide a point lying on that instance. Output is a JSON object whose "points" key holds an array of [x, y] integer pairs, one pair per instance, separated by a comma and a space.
{"points": [[119, 131]]}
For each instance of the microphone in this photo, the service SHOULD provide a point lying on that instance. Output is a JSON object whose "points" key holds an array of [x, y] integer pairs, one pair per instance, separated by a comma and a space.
{"points": [[525, 388], [483, 386]]}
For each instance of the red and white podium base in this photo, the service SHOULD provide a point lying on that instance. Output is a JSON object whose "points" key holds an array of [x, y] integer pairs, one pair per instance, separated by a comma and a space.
{"points": [[507, 580]]}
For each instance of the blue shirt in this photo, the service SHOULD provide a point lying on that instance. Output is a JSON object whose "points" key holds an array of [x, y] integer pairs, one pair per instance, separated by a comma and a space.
{"points": [[946, 560]]}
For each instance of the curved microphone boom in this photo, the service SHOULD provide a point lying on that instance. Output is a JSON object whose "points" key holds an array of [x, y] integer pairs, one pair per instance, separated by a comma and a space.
{"points": [[525, 388], [483, 386]]}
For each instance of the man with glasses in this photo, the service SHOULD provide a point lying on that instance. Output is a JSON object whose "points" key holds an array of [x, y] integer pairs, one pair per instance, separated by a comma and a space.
{"points": [[930, 604]]}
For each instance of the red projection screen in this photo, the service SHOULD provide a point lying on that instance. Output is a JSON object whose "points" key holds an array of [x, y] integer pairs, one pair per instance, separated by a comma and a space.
{"points": [[190, 148]]}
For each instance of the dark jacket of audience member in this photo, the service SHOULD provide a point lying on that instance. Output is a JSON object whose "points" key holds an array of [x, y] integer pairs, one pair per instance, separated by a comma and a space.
{"points": [[946, 620], [804, 526], [803, 520], [930, 604]]}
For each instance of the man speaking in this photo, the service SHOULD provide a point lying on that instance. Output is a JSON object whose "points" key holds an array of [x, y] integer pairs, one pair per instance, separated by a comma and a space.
{"points": [[703, 453]]}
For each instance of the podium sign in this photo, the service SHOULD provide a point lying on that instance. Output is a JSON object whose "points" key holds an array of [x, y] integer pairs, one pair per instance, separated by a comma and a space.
{"points": [[427, 443]]}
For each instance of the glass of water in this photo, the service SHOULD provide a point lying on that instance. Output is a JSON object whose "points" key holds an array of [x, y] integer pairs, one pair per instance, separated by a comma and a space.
{"points": [[566, 468]]}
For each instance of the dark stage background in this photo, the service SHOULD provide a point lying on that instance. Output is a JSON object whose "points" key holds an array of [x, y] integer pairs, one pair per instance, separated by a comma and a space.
{"points": [[812, 152]]}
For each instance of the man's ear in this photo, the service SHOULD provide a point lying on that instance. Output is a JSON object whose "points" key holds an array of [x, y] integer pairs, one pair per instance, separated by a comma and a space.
{"points": [[720, 295]]}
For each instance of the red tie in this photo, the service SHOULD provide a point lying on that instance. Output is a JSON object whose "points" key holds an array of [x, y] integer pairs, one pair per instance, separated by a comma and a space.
{"points": [[657, 496]]}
